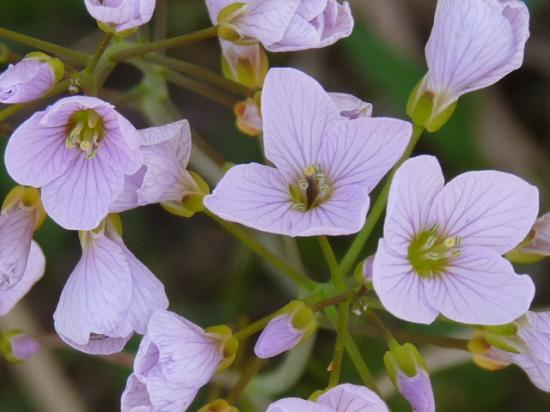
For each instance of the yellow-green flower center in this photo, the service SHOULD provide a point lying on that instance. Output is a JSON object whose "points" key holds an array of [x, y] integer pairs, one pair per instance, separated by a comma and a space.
{"points": [[86, 130], [310, 191], [430, 252]]}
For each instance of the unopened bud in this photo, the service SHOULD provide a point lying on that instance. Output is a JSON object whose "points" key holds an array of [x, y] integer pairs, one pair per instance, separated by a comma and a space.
{"points": [[536, 245], [291, 326]]}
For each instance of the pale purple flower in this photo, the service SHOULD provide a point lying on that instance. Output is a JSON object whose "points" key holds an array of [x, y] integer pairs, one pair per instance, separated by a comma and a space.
{"points": [[473, 45], [443, 245], [109, 295], [285, 25], [22, 262], [342, 398], [175, 359], [121, 15], [293, 324], [78, 151], [325, 165], [417, 390], [350, 106], [27, 80], [163, 178], [532, 342], [368, 268]]}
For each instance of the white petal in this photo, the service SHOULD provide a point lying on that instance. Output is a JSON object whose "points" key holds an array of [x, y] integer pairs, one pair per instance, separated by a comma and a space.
{"points": [[352, 398]]}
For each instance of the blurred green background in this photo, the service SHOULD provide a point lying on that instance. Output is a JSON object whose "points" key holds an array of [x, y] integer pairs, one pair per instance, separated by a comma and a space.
{"points": [[210, 278]]}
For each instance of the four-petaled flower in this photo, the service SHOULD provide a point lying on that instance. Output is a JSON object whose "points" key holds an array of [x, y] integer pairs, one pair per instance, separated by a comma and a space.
{"points": [[443, 245], [109, 295], [22, 262], [175, 359], [326, 165], [342, 398], [78, 151], [473, 45], [284, 25]]}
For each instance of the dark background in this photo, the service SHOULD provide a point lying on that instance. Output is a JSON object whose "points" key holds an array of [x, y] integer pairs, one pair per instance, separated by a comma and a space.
{"points": [[209, 277]]}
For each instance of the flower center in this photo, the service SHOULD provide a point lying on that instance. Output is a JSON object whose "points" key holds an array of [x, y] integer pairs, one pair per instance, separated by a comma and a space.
{"points": [[310, 191], [430, 252], [85, 130]]}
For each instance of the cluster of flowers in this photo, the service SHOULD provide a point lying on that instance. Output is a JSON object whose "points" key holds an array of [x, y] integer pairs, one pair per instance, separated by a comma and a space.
{"points": [[443, 244]]}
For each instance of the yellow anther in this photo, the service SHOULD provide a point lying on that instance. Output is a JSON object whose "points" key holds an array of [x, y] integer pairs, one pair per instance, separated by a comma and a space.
{"points": [[309, 171], [451, 242]]}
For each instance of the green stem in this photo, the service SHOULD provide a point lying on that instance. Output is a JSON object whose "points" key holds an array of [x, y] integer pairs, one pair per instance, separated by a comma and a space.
{"points": [[329, 257], [339, 348], [70, 54], [249, 373], [202, 74], [140, 50], [90, 68], [377, 210], [319, 306], [354, 354], [247, 239], [379, 325], [200, 88], [15, 108]]}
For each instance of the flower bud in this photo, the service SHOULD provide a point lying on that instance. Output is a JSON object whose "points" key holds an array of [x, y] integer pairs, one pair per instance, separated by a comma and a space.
{"points": [[16, 346], [293, 324], [219, 405], [408, 372], [121, 17], [536, 245], [228, 344], [249, 118], [247, 65], [425, 108], [30, 79], [192, 202]]}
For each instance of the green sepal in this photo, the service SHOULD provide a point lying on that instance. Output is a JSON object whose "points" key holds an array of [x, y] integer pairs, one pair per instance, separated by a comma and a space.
{"points": [[229, 345], [4, 53], [6, 346], [510, 329], [112, 28], [219, 405], [192, 203], [246, 71], [405, 359], [28, 197], [424, 110], [501, 342]]}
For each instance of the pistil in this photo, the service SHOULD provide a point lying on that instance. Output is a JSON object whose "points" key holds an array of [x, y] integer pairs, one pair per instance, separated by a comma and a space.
{"points": [[85, 130], [312, 190]]}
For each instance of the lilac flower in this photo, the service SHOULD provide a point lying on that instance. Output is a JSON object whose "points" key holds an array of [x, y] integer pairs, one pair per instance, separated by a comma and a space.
{"points": [[473, 45], [22, 262], [18, 346], [325, 165], [528, 348], [175, 359], [342, 398], [442, 245], [78, 151], [109, 295], [163, 178], [30, 78], [121, 15], [286, 25], [294, 324]]}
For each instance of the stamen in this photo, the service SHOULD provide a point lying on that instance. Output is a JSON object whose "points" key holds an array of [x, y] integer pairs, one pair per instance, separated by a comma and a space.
{"points": [[85, 131], [312, 190]]}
